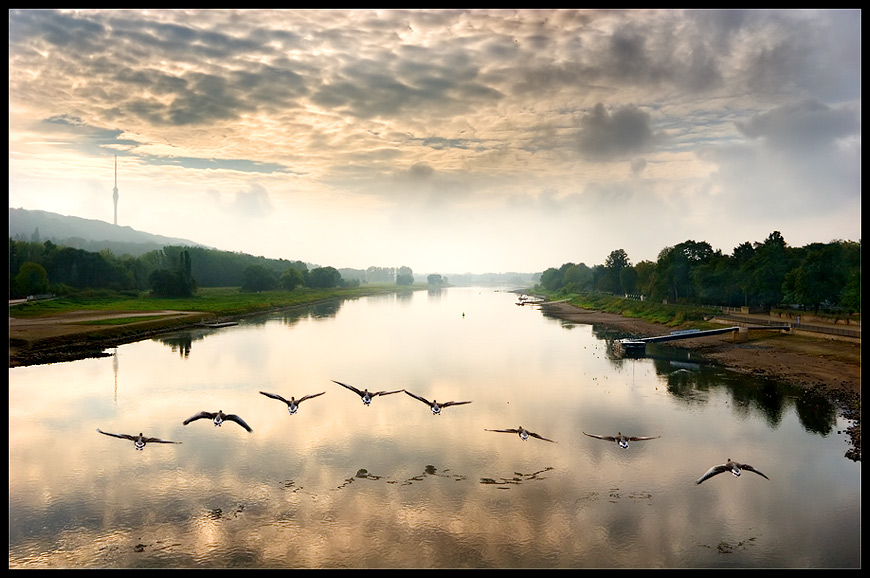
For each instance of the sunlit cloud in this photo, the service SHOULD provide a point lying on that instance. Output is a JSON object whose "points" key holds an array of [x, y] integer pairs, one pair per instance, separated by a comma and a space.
{"points": [[395, 116]]}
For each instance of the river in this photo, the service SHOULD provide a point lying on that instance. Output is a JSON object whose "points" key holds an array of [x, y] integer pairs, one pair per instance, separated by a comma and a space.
{"points": [[341, 484]]}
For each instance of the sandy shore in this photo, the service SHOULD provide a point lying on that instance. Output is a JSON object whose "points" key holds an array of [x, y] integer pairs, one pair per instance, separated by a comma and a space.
{"points": [[829, 366]]}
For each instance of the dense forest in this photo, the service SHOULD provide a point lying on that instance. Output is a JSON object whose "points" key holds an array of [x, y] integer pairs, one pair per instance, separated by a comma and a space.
{"points": [[818, 276], [38, 268]]}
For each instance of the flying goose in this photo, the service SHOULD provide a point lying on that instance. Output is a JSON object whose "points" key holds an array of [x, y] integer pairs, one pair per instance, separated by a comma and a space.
{"points": [[621, 439], [434, 405], [365, 394], [219, 417], [729, 466], [293, 404], [523, 433], [139, 441]]}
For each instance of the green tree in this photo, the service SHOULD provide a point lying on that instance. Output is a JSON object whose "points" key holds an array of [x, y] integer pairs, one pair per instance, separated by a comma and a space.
{"points": [[577, 277], [380, 274], [177, 281], [741, 269], [259, 278], [628, 280], [291, 279], [644, 272], [31, 279], [614, 265], [551, 279], [434, 279], [673, 279], [766, 271], [820, 277], [404, 276], [324, 277]]}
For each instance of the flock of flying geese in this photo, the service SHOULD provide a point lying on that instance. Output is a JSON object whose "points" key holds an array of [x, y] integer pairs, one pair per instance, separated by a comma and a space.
{"points": [[219, 417]]}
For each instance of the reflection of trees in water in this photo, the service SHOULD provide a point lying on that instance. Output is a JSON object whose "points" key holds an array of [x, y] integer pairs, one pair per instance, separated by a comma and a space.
{"points": [[815, 412], [325, 309], [404, 296], [748, 394], [687, 376], [181, 342], [293, 315]]}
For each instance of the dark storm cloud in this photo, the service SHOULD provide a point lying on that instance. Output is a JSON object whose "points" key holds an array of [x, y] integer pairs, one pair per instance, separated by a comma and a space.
{"points": [[605, 136], [806, 124], [66, 31]]}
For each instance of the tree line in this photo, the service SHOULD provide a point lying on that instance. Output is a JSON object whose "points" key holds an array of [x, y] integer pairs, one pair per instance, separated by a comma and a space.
{"points": [[760, 275], [173, 271]]}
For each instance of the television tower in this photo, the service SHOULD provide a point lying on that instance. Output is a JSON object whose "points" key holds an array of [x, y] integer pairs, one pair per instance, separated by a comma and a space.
{"points": [[115, 191]]}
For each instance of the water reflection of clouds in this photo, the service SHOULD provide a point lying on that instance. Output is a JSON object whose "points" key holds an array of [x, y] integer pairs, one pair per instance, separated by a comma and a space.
{"points": [[309, 490]]}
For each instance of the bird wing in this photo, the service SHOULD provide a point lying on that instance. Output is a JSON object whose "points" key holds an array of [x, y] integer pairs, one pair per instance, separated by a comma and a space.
{"points": [[122, 436], [607, 438], [749, 468], [446, 403], [641, 438], [276, 396], [505, 430], [197, 416], [238, 420], [158, 441], [415, 396], [534, 435], [715, 470], [389, 392], [350, 387], [309, 396]]}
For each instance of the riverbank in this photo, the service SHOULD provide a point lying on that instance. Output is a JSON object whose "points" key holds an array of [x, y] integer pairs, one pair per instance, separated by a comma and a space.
{"points": [[60, 330], [831, 367]]}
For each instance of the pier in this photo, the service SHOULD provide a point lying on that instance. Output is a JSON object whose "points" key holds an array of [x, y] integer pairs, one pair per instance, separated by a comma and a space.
{"points": [[637, 346]]}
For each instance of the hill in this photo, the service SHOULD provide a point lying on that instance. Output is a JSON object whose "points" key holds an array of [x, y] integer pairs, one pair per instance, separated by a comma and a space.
{"points": [[86, 234]]}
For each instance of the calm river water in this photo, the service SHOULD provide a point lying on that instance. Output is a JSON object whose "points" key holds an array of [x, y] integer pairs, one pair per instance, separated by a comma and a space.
{"points": [[343, 485]]}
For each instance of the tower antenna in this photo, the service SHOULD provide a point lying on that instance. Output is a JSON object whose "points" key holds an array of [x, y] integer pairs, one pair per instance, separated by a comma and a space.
{"points": [[115, 191]]}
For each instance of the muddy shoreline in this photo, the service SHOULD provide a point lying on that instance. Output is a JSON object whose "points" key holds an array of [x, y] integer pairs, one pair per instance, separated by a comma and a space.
{"points": [[826, 366]]}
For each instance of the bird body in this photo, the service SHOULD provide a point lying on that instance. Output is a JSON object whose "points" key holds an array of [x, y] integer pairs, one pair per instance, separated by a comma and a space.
{"points": [[218, 417], [365, 394], [434, 405], [139, 441], [729, 466], [622, 440], [293, 404], [523, 433]]}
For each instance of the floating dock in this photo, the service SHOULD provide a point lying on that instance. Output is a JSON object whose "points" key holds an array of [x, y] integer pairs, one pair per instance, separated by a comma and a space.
{"points": [[637, 346]]}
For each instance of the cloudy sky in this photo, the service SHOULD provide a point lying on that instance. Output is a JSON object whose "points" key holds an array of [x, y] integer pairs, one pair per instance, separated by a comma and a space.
{"points": [[446, 141]]}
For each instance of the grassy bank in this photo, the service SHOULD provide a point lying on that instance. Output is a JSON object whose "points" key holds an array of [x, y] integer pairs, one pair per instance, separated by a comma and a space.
{"points": [[675, 316], [218, 301], [36, 338]]}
